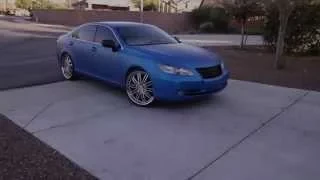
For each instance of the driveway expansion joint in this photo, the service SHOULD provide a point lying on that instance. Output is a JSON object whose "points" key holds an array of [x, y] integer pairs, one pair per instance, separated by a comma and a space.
{"points": [[80, 121], [38, 114], [252, 133]]}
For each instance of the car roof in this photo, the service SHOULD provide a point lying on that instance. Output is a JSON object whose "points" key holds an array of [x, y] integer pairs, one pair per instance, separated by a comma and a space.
{"points": [[115, 24]]}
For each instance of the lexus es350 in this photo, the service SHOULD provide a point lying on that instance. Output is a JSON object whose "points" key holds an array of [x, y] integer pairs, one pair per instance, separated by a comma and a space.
{"points": [[142, 59]]}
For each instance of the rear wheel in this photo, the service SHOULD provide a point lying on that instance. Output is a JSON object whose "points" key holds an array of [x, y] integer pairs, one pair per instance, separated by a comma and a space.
{"points": [[67, 67], [139, 88]]}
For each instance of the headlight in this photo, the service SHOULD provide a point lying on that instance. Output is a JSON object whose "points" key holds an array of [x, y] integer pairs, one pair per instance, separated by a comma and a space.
{"points": [[175, 70]]}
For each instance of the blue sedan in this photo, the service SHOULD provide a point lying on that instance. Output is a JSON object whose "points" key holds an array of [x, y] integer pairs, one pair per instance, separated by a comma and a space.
{"points": [[142, 59]]}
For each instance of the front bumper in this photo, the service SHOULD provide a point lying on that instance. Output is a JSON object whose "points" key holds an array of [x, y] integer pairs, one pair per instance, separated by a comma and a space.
{"points": [[175, 88]]}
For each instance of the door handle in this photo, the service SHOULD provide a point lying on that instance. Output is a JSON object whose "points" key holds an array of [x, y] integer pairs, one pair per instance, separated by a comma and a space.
{"points": [[93, 49], [71, 43]]}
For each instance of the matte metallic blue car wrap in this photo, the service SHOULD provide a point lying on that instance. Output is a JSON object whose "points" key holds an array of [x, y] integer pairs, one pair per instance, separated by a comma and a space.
{"points": [[176, 71]]}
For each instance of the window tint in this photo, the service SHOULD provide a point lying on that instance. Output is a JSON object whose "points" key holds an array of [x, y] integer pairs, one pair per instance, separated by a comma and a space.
{"points": [[75, 34], [103, 34], [86, 33], [144, 35]]}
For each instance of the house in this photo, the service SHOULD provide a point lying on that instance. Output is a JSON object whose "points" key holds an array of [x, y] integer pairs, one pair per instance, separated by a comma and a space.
{"points": [[11, 4], [7, 4], [116, 5], [167, 6], [100, 5], [174, 6], [80, 4]]}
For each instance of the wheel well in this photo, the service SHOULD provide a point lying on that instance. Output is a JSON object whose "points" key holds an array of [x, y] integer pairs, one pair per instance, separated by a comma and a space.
{"points": [[63, 54], [133, 68]]}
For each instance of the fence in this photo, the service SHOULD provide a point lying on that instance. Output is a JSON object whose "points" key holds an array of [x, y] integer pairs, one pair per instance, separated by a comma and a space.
{"points": [[171, 22]]}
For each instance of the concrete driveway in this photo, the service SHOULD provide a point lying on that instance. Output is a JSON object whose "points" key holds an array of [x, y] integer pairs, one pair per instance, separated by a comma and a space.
{"points": [[249, 131]]}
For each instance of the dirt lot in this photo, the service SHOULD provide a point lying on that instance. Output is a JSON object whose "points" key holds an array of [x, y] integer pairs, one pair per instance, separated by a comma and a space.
{"points": [[253, 64]]}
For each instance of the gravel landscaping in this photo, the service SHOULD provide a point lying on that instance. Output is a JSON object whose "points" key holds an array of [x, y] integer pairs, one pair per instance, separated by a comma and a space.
{"points": [[22, 156], [257, 65]]}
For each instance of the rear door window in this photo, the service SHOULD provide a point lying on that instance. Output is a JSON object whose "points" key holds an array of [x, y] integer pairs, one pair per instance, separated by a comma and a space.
{"points": [[87, 33]]}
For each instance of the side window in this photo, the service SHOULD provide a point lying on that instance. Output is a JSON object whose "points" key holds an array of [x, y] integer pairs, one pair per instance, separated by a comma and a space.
{"points": [[86, 33], [103, 34], [75, 34]]}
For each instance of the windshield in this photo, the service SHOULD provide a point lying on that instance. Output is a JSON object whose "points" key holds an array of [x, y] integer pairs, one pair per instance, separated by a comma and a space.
{"points": [[140, 35]]}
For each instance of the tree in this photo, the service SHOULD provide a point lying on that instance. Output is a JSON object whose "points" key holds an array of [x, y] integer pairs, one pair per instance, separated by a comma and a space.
{"points": [[302, 35], [148, 5], [24, 4], [241, 10], [46, 4], [285, 8]]}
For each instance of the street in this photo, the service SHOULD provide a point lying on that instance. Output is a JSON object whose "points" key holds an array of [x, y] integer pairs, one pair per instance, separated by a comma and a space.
{"points": [[27, 53]]}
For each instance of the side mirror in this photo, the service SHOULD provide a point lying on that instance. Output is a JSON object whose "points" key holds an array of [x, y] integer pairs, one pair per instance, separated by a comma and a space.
{"points": [[110, 44], [177, 39]]}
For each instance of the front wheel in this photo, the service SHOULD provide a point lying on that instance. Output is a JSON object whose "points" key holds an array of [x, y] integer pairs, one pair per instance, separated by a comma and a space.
{"points": [[139, 88]]}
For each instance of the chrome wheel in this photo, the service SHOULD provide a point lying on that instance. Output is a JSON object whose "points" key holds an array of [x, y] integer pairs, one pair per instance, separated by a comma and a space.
{"points": [[67, 67], [139, 88]]}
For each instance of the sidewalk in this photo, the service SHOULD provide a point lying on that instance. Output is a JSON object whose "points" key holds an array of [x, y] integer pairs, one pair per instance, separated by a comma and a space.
{"points": [[219, 39]]}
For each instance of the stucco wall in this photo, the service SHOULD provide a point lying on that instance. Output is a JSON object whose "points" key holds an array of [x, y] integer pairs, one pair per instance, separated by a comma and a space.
{"points": [[173, 23]]}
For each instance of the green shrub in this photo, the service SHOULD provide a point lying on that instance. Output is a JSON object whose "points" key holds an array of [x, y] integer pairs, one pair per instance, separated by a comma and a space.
{"points": [[212, 19], [46, 4], [149, 5], [201, 15], [206, 27], [303, 31], [23, 4]]}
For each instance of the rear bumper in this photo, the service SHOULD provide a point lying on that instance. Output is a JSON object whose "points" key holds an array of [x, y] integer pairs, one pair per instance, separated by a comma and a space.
{"points": [[186, 88]]}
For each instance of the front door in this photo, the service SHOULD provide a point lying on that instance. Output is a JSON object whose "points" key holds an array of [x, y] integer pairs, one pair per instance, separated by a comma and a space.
{"points": [[105, 60]]}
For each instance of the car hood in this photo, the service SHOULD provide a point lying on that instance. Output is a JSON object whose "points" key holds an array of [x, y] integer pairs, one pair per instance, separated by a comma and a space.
{"points": [[180, 55]]}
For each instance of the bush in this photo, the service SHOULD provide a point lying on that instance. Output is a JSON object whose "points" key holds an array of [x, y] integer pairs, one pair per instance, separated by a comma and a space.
{"points": [[23, 4], [210, 19], [206, 27], [303, 31], [46, 4]]}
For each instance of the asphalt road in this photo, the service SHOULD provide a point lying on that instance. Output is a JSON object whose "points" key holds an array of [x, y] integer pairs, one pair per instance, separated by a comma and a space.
{"points": [[27, 53]]}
